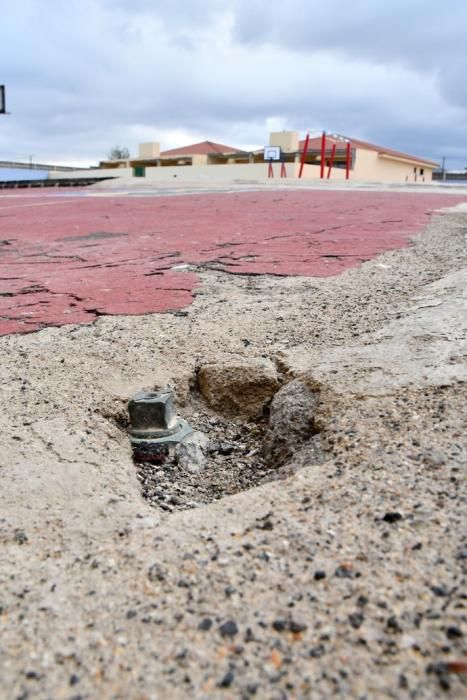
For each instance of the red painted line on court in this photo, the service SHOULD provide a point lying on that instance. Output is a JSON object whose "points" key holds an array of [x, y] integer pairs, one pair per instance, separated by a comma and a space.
{"points": [[69, 258]]}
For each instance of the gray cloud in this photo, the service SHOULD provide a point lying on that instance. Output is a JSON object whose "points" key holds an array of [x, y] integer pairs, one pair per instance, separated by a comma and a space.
{"points": [[86, 74], [411, 31]]}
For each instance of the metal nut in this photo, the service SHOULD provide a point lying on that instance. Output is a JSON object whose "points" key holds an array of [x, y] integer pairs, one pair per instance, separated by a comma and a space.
{"points": [[152, 418], [152, 415]]}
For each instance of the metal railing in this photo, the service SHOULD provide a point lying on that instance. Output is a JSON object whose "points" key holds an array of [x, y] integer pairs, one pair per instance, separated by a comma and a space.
{"points": [[38, 166]]}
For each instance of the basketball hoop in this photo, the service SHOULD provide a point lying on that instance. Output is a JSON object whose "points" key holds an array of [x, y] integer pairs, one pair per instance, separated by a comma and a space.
{"points": [[272, 153]]}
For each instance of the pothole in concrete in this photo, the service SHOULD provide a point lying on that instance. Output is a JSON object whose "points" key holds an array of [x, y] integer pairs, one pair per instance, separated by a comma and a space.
{"points": [[233, 462], [226, 455]]}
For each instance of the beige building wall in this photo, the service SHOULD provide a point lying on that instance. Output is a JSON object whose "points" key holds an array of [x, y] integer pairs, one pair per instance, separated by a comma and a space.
{"points": [[148, 150], [287, 140], [371, 166], [312, 172], [199, 159]]}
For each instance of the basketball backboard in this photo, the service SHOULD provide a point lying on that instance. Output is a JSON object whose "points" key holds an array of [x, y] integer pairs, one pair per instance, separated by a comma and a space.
{"points": [[272, 153]]}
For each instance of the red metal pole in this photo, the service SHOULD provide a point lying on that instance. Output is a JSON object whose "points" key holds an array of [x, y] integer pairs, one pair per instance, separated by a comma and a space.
{"points": [[323, 154], [331, 160], [305, 151], [270, 169], [347, 161]]}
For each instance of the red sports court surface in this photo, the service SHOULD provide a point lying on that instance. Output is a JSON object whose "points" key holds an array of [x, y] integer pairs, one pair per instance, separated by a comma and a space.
{"points": [[68, 257]]}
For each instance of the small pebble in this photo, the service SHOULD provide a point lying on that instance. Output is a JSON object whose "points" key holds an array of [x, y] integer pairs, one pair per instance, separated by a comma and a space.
{"points": [[317, 651], [453, 632], [279, 625], [344, 572], [20, 537], [156, 573], [225, 448], [392, 517], [434, 458], [296, 627], [205, 624], [440, 591], [228, 629], [356, 620], [227, 680]]}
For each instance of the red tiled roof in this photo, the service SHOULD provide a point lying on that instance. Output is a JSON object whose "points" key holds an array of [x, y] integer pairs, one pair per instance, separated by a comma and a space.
{"points": [[202, 148], [315, 144]]}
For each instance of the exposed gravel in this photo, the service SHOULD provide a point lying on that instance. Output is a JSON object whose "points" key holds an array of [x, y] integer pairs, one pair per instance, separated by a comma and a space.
{"points": [[234, 463]]}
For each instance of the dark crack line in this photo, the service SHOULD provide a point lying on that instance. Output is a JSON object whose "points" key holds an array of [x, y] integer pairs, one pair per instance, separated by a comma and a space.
{"points": [[256, 243], [208, 267], [43, 262], [175, 254], [229, 245], [51, 256]]}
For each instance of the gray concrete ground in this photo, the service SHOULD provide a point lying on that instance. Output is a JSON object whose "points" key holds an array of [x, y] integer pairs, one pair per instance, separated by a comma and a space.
{"points": [[343, 579], [172, 186]]}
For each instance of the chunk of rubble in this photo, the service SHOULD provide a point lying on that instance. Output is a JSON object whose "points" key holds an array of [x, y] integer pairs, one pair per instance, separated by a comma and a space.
{"points": [[291, 421], [190, 454], [240, 386]]}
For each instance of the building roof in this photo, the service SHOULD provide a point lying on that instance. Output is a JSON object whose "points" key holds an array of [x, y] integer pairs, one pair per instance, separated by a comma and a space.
{"points": [[315, 144], [207, 148]]}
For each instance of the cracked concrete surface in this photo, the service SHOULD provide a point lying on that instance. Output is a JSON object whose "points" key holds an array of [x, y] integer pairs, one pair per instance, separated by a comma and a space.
{"points": [[427, 344], [343, 580], [69, 258]]}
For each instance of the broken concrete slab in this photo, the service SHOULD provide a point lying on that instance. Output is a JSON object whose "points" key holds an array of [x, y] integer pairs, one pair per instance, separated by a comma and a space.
{"points": [[291, 421], [425, 345], [241, 386]]}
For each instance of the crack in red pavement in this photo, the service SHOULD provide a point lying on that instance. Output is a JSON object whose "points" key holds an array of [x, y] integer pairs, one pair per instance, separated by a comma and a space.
{"points": [[88, 256]]}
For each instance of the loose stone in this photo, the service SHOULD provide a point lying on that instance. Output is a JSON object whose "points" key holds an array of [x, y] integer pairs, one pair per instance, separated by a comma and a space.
{"points": [[228, 629], [392, 517], [205, 624]]}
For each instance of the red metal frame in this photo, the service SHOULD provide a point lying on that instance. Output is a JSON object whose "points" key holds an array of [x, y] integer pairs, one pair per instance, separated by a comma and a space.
{"points": [[323, 154], [304, 154], [270, 170], [348, 158], [331, 160]]}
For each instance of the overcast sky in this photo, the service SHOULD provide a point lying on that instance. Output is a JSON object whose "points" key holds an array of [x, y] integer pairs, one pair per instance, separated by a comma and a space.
{"points": [[84, 75]]}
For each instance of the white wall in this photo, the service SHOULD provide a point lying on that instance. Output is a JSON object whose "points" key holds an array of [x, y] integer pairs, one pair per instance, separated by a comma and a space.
{"points": [[208, 173], [94, 172], [191, 173]]}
